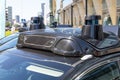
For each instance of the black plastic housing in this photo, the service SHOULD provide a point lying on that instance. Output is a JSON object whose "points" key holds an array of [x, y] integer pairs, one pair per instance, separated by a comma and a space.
{"points": [[94, 39], [92, 29], [61, 44]]}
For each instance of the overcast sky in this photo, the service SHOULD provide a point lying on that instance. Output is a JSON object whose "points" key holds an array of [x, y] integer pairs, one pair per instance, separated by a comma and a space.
{"points": [[26, 8], [29, 8]]}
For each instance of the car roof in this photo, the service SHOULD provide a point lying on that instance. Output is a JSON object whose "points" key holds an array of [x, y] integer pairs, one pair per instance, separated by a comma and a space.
{"points": [[43, 55], [62, 62], [49, 55]]}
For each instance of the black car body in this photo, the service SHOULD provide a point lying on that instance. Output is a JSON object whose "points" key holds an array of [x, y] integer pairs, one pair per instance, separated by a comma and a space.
{"points": [[64, 26], [54, 55], [40, 61], [20, 64], [37, 23]]}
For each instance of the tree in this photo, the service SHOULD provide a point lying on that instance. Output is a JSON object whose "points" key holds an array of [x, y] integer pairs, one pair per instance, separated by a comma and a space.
{"points": [[16, 25], [8, 24]]}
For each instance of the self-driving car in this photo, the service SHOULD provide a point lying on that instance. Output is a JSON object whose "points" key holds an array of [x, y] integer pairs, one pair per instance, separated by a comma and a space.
{"points": [[53, 55]]}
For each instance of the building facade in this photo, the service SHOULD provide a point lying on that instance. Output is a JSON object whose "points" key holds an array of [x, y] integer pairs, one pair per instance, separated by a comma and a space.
{"points": [[9, 14], [2, 18], [74, 13], [52, 6], [17, 18], [43, 9]]}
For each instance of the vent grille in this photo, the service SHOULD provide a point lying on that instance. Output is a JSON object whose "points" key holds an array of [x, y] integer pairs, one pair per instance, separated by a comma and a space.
{"points": [[39, 40]]}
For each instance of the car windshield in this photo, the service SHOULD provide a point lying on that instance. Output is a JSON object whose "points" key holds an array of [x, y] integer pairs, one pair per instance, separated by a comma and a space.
{"points": [[109, 41], [15, 68], [8, 38]]}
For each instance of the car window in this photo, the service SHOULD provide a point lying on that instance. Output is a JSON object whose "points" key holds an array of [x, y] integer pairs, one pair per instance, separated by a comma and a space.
{"points": [[8, 38], [107, 42], [9, 44], [106, 72]]}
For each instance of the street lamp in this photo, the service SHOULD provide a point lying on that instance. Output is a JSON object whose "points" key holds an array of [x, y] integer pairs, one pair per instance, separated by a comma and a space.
{"points": [[86, 11], [86, 6]]}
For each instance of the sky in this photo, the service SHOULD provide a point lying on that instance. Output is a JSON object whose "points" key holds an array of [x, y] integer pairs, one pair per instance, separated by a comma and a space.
{"points": [[28, 8]]}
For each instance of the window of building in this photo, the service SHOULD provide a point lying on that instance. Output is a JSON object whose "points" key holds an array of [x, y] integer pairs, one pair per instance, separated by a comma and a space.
{"points": [[104, 4], [67, 2], [118, 20], [107, 21], [118, 3]]}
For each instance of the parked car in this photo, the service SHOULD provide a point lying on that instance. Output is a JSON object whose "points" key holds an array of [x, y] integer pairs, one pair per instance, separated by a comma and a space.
{"points": [[37, 23], [56, 25], [64, 26], [7, 28]]}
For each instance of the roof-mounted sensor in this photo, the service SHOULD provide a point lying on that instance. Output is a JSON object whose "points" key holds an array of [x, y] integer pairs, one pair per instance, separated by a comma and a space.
{"points": [[93, 39]]}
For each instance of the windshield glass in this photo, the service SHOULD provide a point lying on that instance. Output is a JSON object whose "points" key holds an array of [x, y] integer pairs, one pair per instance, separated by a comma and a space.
{"points": [[110, 41], [15, 68]]}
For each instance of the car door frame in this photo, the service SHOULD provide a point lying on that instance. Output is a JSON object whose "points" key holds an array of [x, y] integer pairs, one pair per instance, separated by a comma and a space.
{"points": [[79, 75]]}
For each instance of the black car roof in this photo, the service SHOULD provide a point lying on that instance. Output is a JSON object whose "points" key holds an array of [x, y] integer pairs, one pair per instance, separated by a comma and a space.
{"points": [[42, 55]]}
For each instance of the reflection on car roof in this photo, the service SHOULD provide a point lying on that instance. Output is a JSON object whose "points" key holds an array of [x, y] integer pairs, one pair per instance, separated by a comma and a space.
{"points": [[44, 56]]}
